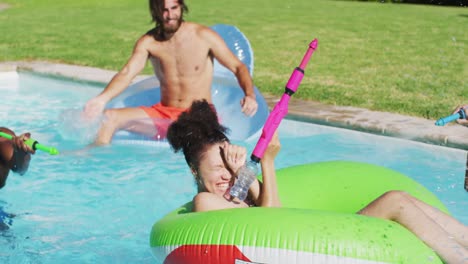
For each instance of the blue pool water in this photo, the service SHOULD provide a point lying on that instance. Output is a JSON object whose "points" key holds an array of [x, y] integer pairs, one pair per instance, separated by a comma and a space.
{"points": [[98, 205]]}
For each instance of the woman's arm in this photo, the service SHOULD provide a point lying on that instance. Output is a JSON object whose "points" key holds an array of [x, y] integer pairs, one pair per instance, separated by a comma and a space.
{"points": [[268, 194]]}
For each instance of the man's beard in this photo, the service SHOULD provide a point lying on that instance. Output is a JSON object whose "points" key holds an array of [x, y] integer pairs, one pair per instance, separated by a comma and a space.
{"points": [[171, 29]]}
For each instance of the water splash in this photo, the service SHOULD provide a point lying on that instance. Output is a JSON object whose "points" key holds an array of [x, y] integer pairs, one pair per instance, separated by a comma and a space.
{"points": [[75, 126]]}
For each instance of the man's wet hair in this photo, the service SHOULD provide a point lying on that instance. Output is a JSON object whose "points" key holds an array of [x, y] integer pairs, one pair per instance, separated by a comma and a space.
{"points": [[196, 130]]}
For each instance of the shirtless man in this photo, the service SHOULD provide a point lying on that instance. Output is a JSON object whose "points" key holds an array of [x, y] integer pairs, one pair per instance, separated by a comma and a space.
{"points": [[15, 155], [182, 56]]}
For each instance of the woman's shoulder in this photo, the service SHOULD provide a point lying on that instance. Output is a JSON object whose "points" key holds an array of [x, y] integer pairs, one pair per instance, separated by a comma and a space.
{"points": [[205, 201], [202, 197]]}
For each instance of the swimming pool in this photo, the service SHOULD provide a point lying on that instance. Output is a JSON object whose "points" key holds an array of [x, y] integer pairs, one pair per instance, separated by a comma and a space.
{"points": [[98, 205]]}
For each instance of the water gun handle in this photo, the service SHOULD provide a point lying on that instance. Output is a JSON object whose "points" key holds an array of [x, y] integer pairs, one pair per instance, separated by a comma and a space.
{"points": [[281, 108], [33, 144], [458, 115]]}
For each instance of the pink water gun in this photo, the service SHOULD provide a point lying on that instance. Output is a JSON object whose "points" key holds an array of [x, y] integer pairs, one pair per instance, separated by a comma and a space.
{"points": [[249, 171], [281, 108]]}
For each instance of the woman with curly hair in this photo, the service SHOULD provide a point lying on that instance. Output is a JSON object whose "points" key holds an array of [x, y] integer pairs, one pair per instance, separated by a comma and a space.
{"points": [[214, 162]]}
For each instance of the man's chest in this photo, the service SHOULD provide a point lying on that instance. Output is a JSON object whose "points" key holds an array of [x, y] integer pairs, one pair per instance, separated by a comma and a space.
{"points": [[185, 58]]}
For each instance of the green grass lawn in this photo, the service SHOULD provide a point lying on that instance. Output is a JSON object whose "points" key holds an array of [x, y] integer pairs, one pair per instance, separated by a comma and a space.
{"points": [[408, 59]]}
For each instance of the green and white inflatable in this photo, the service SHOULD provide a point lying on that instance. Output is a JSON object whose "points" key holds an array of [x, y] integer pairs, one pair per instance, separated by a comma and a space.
{"points": [[317, 223]]}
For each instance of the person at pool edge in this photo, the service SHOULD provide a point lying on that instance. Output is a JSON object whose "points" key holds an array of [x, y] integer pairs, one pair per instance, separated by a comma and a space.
{"points": [[214, 162], [15, 155], [463, 122], [182, 56]]}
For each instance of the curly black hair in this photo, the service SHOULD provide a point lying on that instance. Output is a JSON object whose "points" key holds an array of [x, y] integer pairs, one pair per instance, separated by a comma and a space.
{"points": [[195, 130]]}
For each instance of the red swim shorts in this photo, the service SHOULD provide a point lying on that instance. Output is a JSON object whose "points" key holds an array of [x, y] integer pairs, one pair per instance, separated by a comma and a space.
{"points": [[159, 112]]}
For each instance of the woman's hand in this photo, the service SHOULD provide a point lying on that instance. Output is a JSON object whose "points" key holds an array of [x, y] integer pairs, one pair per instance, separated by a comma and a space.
{"points": [[273, 148], [268, 194], [234, 156]]}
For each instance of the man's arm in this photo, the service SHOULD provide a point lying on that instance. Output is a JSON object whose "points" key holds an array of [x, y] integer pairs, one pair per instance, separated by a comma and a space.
{"points": [[122, 79], [223, 54]]}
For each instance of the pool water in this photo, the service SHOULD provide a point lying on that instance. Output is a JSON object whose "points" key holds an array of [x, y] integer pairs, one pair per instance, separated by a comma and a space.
{"points": [[97, 205]]}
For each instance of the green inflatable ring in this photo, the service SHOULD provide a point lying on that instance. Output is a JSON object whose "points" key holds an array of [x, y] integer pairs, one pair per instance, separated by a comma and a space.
{"points": [[317, 223]]}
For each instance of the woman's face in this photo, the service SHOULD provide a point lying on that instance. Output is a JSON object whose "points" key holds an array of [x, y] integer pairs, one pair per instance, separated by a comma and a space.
{"points": [[213, 172]]}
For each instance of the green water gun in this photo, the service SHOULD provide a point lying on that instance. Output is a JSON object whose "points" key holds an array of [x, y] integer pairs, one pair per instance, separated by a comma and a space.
{"points": [[33, 144]]}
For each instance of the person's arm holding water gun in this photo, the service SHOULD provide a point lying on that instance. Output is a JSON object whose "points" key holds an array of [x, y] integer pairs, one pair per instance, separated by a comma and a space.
{"points": [[458, 115], [265, 193], [461, 121], [15, 154], [22, 153], [269, 189]]}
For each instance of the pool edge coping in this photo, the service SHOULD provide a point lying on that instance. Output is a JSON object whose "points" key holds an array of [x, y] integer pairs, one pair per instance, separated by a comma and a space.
{"points": [[360, 119]]}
